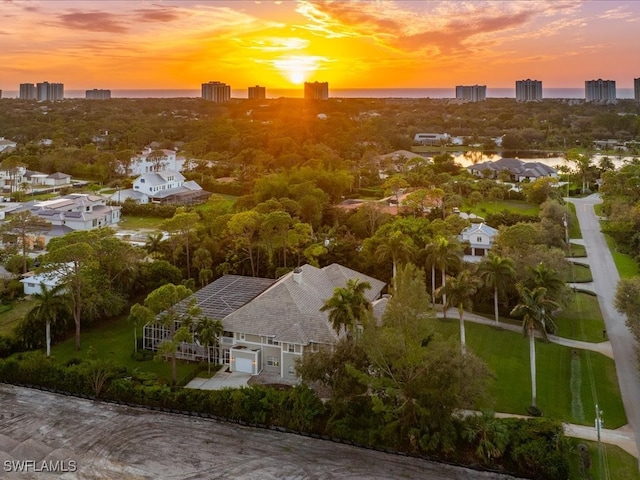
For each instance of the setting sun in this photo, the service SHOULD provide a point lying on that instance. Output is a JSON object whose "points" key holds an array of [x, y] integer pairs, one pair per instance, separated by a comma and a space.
{"points": [[296, 68]]}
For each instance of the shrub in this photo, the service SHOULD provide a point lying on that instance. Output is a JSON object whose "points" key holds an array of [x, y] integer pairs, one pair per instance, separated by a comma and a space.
{"points": [[8, 345], [130, 207], [537, 449]]}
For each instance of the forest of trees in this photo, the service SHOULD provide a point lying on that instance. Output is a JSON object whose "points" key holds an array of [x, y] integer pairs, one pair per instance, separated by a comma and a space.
{"points": [[290, 170]]}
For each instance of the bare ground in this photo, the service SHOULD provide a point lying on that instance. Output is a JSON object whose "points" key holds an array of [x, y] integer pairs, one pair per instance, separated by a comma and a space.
{"points": [[116, 442]]}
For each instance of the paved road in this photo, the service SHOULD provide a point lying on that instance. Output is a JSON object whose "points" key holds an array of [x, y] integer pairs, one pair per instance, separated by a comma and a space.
{"points": [[605, 279], [116, 442]]}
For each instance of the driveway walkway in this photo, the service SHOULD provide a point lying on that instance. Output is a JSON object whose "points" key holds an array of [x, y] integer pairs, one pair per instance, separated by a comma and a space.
{"points": [[602, 347], [222, 379], [605, 279]]}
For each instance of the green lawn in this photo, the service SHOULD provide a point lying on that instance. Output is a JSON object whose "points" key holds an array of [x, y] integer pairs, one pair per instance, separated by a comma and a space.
{"points": [[507, 354], [621, 465], [626, 265], [577, 250], [574, 226], [579, 273], [132, 222], [114, 341], [518, 206], [581, 319], [15, 312]]}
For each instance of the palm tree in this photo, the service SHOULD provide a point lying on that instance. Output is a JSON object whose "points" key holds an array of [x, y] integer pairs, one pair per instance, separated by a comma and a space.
{"points": [[459, 291], [489, 433], [153, 243], [209, 331], [534, 307], [348, 305], [442, 254], [546, 277], [398, 247], [52, 306], [496, 272]]}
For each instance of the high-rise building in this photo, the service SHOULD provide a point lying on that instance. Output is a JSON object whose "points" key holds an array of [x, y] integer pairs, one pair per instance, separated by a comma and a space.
{"points": [[46, 91], [471, 93], [27, 91], [528, 90], [217, 92], [636, 89], [97, 94], [258, 92], [316, 90], [601, 91]]}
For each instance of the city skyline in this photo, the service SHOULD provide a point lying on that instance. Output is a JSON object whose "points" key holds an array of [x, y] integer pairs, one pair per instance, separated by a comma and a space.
{"points": [[392, 44]]}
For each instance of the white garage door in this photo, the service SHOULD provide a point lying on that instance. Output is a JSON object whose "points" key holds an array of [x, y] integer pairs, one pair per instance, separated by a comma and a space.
{"points": [[244, 365]]}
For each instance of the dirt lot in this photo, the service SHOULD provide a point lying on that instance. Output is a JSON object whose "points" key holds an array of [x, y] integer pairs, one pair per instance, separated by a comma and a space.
{"points": [[115, 442]]}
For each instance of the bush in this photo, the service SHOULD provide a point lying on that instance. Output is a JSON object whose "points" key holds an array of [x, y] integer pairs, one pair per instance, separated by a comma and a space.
{"points": [[537, 449], [130, 207], [8, 345], [532, 409], [142, 355]]}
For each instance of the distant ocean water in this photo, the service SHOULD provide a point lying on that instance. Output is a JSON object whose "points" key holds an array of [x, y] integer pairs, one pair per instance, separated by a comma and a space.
{"points": [[340, 93]]}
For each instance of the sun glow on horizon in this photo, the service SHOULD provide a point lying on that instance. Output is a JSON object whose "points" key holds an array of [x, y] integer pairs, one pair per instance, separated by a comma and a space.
{"points": [[297, 68]]}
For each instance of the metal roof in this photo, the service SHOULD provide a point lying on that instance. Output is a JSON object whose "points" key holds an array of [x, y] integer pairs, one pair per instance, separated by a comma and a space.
{"points": [[227, 294]]}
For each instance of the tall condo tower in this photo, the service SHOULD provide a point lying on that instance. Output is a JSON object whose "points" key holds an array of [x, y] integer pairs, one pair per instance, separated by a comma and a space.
{"points": [[216, 92], [27, 91], [46, 91], [316, 90], [528, 90], [97, 94], [636, 89], [471, 93], [258, 92], [601, 91]]}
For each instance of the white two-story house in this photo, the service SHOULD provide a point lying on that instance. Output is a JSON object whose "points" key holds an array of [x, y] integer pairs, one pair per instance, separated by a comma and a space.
{"points": [[150, 160], [168, 186], [479, 239]]}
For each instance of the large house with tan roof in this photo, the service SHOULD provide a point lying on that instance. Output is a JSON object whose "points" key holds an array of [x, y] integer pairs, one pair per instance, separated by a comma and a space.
{"points": [[269, 324]]}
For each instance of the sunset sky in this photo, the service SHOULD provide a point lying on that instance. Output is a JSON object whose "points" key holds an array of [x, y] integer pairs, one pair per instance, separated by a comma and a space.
{"points": [[396, 44]]}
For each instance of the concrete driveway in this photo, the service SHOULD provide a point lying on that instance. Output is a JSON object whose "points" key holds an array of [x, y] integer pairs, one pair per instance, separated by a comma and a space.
{"points": [[222, 379], [605, 280]]}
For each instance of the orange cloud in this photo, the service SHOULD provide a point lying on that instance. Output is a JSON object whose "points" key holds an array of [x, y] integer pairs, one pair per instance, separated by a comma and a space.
{"points": [[92, 21]]}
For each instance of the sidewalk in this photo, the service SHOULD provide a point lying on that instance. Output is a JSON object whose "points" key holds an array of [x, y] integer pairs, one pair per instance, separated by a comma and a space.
{"points": [[602, 347]]}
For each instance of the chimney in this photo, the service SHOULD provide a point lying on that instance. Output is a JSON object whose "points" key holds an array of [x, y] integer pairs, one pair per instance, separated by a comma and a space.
{"points": [[297, 275]]}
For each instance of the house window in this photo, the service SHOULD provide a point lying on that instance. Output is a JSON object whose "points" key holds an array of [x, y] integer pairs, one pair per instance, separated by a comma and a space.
{"points": [[479, 239], [292, 348], [271, 341], [240, 336], [292, 371], [272, 362], [142, 180]]}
